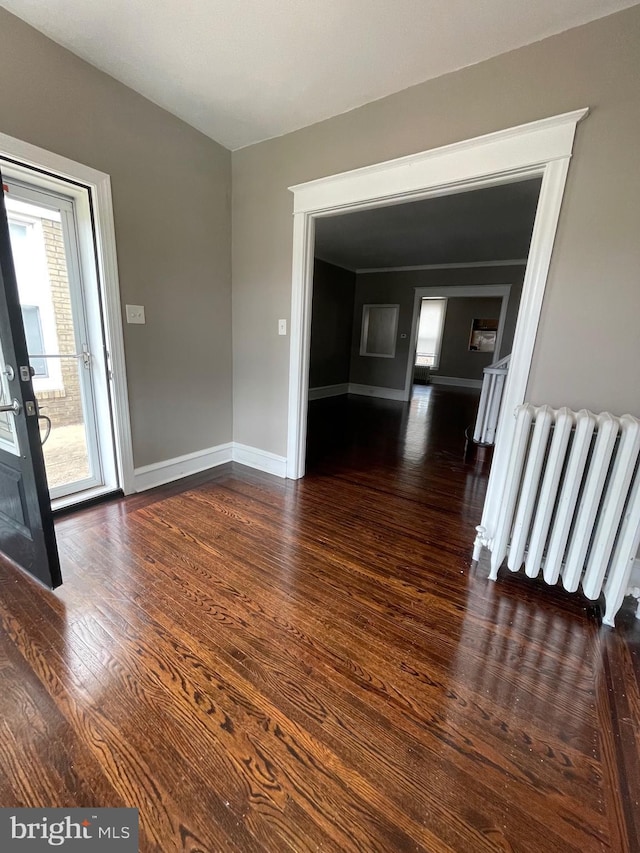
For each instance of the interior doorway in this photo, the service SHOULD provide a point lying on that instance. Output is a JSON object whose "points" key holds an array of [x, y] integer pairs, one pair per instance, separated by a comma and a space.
{"points": [[541, 149], [473, 327], [422, 293]]}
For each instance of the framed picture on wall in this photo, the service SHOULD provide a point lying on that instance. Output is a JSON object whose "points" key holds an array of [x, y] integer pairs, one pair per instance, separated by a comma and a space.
{"points": [[483, 335]]}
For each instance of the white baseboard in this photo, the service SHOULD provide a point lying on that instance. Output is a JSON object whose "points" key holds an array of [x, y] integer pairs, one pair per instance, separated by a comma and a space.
{"points": [[456, 381], [328, 391], [377, 391], [260, 459], [353, 388], [159, 473], [150, 476]]}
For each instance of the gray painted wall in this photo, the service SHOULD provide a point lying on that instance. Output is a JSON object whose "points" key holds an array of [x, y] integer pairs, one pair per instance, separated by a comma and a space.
{"points": [[171, 196], [399, 288], [455, 357], [331, 323], [592, 292]]}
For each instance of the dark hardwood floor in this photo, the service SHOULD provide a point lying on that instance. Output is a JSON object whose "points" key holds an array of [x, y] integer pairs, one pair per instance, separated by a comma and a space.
{"points": [[268, 665]]}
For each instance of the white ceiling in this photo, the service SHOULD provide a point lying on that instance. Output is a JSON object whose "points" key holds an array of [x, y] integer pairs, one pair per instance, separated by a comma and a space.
{"points": [[491, 224], [246, 70]]}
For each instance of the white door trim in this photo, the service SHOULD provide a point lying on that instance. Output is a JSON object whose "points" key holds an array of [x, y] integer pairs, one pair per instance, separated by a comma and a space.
{"points": [[541, 148], [99, 187], [451, 292]]}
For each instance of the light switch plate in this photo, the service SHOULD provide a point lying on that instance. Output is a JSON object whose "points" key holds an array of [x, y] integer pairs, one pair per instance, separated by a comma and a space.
{"points": [[282, 327], [135, 314]]}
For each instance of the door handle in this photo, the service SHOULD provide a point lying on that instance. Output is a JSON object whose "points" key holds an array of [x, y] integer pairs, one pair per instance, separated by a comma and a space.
{"points": [[14, 407], [47, 431], [85, 355]]}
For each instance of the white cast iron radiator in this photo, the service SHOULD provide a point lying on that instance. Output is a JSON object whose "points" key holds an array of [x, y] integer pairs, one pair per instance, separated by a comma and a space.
{"points": [[421, 373], [490, 401], [571, 502]]}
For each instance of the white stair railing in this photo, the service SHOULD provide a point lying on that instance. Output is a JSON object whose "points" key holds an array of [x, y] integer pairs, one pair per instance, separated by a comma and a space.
{"points": [[490, 401]]}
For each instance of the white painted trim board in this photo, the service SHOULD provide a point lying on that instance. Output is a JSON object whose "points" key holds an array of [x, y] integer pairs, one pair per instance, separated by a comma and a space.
{"points": [[448, 168], [159, 473], [322, 391], [261, 460], [377, 391], [325, 391], [455, 381]]}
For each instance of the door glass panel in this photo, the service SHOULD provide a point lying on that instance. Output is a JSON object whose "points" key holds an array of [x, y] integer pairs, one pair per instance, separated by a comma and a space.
{"points": [[54, 334], [8, 433]]}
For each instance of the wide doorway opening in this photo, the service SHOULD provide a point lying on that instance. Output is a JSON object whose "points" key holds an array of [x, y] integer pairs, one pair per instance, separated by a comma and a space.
{"points": [[53, 247], [411, 304], [540, 149]]}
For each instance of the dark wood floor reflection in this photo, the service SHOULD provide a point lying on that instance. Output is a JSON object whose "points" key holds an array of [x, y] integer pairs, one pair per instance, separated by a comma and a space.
{"points": [[265, 665]]}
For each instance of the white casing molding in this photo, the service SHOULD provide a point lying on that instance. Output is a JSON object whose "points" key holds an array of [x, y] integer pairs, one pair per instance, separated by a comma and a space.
{"points": [[455, 381], [542, 148], [98, 185]]}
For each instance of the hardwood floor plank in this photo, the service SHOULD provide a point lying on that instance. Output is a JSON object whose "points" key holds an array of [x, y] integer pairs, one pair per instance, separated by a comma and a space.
{"points": [[269, 710], [27, 709], [387, 628], [201, 599], [269, 665], [120, 741], [265, 713], [618, 697]]}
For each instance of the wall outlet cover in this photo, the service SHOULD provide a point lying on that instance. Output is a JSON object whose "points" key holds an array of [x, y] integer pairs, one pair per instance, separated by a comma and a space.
{"points": [[135, 314]]}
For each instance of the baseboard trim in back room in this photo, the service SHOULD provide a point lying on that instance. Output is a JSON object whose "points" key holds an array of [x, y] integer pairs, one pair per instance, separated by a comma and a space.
{"points": [[455, 381], [323, 391]]}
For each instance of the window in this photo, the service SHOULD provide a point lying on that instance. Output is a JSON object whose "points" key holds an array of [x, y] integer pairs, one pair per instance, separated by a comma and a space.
{"points": [[18, 232], [29, 249], [35, 341], [430, 329]]}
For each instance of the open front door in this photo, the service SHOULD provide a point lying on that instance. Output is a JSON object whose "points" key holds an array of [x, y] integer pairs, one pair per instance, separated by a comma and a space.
{"points": [[26, 522]]}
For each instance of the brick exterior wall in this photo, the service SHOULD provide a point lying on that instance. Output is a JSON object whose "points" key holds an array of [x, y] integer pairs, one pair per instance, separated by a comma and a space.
{"points": [[64, 406]]}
